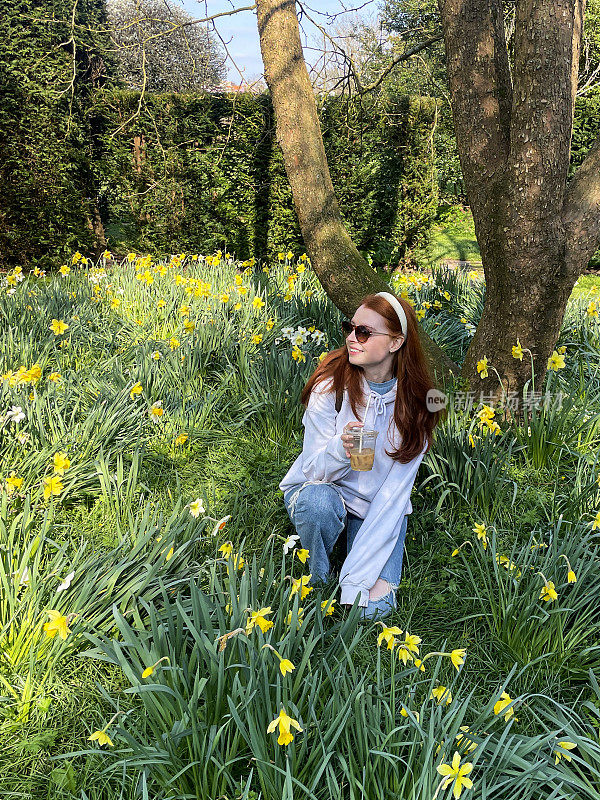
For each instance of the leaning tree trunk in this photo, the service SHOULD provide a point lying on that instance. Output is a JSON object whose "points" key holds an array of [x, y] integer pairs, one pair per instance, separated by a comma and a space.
{"points": [[343, 272], [513, 132]]}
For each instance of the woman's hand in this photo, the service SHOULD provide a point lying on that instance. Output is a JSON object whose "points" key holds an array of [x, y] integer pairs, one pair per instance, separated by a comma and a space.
{"points": [[347, 437]]}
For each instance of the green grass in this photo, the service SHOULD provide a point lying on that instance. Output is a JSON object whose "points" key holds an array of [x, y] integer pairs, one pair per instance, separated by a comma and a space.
{"points": [[452, 238]]}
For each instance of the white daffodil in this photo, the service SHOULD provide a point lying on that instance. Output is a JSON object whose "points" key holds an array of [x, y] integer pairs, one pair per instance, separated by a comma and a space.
{"points": [[15, 414], [66, 583], [290, 543]]}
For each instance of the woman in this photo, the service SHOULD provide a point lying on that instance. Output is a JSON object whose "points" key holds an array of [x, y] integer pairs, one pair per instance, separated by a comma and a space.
{"points": [[383, 358]]}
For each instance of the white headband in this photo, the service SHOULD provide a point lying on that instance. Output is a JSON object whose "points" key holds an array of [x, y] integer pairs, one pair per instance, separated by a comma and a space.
{"points": [[395, 303]]}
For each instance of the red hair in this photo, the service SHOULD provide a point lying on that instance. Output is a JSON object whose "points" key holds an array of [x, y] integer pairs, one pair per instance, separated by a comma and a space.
{"points": [[414, 421]]}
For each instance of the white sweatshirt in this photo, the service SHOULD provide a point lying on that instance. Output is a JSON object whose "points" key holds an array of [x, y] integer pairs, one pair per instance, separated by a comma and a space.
{"points": [[380, 496]]}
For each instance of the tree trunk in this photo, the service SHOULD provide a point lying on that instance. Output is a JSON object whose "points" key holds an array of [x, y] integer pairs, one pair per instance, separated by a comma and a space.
{"points": [[344, 274], [513, 132]]}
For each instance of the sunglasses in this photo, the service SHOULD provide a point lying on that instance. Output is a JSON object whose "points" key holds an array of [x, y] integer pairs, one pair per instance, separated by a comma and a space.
{"points": [[362, 332]]}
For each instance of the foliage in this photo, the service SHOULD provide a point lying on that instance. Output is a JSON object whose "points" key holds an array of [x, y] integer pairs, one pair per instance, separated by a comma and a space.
{"points": [[533, 625], [211, 682], [47, 71], [223, 348]]}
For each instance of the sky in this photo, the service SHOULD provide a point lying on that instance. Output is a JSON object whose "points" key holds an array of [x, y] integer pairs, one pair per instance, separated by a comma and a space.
{"points": [[241, 29]]}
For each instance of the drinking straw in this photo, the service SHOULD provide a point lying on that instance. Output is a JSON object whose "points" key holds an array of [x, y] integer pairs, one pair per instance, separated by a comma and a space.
{"points": [[361, 430]]}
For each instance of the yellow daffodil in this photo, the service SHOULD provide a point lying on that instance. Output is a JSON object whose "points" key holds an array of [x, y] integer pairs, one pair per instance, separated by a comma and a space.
{"points": [[181, 439], [456, 773], [458, 657], [480, 530], [256, 338], [548, 592], [269, 324], [302, 555], [61, 463], [482, 367], [64, 270], [226, 549], [238, 561], [388, 635], [441, 693], [284, 722], [259, 618], [556, 361], [571, 577], [101, 737], [500, 706], [55, 377], [298, 355], [288, 619], [258, 303], [596, 522], [135, 389], [404, 713], [408, 647], [562, 751], [485, 414], [52, 486], [58, 327], [517, 351], [592, 310], [174, 343], [328, 607], [460, 738], [301, 584], [285, 665], [58, 624], [13, 483], [150, 670]]}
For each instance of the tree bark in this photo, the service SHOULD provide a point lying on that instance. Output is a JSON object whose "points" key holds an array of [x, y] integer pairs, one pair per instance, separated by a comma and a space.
{"points": [[513, 134], [342, 271]]}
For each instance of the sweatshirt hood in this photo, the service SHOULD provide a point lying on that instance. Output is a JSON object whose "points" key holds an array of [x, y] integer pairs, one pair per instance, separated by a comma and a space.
{"points": [[388, 397]]}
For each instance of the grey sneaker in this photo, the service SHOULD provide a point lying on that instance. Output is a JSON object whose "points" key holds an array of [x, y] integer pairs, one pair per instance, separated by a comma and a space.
{"points": [[379, 609]]}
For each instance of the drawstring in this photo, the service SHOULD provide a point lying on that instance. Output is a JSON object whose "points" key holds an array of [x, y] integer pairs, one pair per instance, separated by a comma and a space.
{"points": [[378, 406]]}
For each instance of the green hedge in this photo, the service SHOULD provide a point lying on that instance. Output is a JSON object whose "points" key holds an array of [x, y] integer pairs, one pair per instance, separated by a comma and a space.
{"points": [[47, 191], [204, 172]]}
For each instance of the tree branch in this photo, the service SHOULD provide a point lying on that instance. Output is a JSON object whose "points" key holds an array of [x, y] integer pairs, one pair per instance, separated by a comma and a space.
{"points": [[397, 60], [353, 71]]}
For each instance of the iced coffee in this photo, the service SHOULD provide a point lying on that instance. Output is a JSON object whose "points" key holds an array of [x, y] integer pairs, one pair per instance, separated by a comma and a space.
{"points": [[362, 452]]}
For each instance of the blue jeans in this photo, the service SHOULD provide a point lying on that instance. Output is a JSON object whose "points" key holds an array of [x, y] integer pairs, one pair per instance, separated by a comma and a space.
{"points": [[319, 517]]}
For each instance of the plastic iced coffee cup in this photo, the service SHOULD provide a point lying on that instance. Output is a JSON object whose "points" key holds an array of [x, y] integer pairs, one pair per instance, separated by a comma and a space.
{"points": [[362, 452]]}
